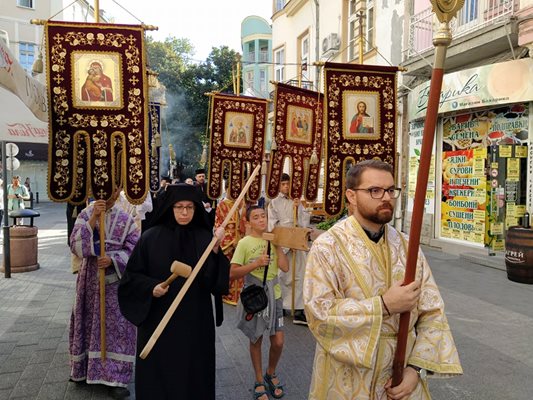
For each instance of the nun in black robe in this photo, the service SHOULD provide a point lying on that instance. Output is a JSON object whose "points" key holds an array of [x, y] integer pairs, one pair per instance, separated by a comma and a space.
{"points": [[181, 365]]}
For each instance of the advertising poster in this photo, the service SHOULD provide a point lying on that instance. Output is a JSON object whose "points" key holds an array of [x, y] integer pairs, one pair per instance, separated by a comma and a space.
{"points": [[466, 212], [463, 196], [416, 131]]}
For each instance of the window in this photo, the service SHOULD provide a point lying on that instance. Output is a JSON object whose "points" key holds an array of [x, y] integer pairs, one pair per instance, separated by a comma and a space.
{"points": [[279, 5], [279, 66], [263, 52], [304, 52], [250, 56], [305, 47], [26, 55], [468, 13], [353, 29], [25, 3], [369, 23], [353, 32], [249, 77], [262, 81], [352, 51]]}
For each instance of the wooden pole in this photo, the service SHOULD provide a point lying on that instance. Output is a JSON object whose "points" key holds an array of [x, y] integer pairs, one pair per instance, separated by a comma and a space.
{"points": [[238, 77], [101, 275], [170, 312], [441, 41], [293, 266], [97, 11]]}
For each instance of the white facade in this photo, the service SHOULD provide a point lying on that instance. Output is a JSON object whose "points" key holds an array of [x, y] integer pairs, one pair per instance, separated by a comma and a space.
{"points": [[294, 30]]}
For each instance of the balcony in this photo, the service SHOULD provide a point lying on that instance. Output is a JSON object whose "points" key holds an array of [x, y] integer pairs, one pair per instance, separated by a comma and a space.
{"points": [[304, 84], [250, 57], [481, 26]]}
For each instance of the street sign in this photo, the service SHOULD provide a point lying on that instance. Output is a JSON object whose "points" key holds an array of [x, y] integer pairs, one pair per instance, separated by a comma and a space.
{"points": [[12, 163], [11, 149]]}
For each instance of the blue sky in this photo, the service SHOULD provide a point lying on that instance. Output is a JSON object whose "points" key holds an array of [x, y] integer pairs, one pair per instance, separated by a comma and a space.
{"points": [[207, 23]]}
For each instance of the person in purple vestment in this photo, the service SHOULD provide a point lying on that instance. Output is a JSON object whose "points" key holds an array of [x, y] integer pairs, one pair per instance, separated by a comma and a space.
{"points": [[121, 235]]}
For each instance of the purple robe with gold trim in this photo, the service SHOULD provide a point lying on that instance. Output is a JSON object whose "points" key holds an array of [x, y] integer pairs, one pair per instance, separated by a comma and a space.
{"points": [[121, 235]]}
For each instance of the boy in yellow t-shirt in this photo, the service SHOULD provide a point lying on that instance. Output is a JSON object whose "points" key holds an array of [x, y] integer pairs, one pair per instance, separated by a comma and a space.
{"points": [[249, 260]]}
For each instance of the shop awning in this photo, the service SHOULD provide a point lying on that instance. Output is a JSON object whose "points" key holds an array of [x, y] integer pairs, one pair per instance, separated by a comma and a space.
{"points": [[17, 122], [23, 109]]}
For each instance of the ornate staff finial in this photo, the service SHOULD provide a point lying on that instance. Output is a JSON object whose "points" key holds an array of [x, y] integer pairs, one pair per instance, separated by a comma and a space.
{"points": [[445, 10]]}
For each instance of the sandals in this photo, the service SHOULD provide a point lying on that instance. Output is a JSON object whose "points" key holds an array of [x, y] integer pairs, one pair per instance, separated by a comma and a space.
{"points": [[257, 395], [272, 387]]}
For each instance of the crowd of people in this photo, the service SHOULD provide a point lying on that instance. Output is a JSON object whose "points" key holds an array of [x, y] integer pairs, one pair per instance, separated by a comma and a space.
{"points": [[348, 290]]}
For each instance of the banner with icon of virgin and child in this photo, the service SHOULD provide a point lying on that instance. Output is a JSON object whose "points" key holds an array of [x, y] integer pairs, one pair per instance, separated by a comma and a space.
{"points": [[98, 111]]}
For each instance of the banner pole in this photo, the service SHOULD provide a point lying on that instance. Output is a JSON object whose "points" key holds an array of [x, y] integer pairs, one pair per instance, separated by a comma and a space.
{"points": [[445, 12]]}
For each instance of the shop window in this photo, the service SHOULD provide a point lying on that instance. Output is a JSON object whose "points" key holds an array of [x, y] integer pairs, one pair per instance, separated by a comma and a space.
{"points": [[484, 174]]}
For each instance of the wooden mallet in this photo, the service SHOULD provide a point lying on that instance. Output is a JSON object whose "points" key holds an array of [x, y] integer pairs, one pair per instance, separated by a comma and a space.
{"points": [[178, 269]]}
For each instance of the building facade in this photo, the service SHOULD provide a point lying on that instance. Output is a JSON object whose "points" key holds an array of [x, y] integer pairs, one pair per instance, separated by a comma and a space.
{"points": [[256, 41], [480, 182], [307, 32], [25, 42]]}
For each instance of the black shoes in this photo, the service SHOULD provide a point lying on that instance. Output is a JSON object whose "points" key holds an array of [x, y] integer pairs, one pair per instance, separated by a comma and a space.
{"points": [[119, 392], [299, 318]]}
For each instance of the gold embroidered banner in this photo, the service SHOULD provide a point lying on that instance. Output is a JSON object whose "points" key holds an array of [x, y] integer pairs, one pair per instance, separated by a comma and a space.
{"points": [[360, 113], [297, 134], [97, 91], [154, 129], [237, 143]]}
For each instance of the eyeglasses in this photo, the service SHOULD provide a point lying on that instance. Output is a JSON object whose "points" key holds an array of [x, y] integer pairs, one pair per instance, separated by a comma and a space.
{"points": [[181, 208], [379, 193]]}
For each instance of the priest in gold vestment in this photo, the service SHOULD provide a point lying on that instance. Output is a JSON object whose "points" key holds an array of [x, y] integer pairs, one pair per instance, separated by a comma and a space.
{"points": [[353, 300]]}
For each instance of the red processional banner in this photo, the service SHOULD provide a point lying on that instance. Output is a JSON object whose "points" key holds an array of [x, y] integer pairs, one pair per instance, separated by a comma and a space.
{"points": [[237, 143], [360, 114], [298, 136], [98, 111]]}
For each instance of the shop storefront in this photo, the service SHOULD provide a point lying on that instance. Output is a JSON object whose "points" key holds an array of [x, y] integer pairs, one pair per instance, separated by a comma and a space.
{"points": [[479, 184]]}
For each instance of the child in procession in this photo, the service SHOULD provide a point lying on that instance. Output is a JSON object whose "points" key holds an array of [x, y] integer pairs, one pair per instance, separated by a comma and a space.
{"points": [[249, 261]]}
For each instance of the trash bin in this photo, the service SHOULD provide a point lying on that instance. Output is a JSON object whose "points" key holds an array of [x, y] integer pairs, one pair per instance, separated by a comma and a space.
{"points": [[23, 242], [519, 254]]}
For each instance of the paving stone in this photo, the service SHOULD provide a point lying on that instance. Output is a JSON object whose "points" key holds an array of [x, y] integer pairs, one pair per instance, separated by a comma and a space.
{"points": [[49, 344], [57, 374], [9, 380], [14, 363], [28, 350], [28, 339], [43, 356], [27, 388], [54, 333], [52, 391], [7, 347], [35, 371]]}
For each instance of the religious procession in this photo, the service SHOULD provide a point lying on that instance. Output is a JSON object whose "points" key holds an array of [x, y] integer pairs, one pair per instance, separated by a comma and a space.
{"points": [[276, 218]]}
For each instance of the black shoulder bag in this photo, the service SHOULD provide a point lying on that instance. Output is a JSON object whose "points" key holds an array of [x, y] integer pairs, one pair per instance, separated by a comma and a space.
{"points": [[253, 297]]}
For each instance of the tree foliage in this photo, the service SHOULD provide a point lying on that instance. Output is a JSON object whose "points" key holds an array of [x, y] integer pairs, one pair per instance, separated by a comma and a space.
{"points": [[186, 83]]}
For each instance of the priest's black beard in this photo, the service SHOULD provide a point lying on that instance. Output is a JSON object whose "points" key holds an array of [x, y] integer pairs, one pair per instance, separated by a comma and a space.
{"points": [[377, 219]]}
